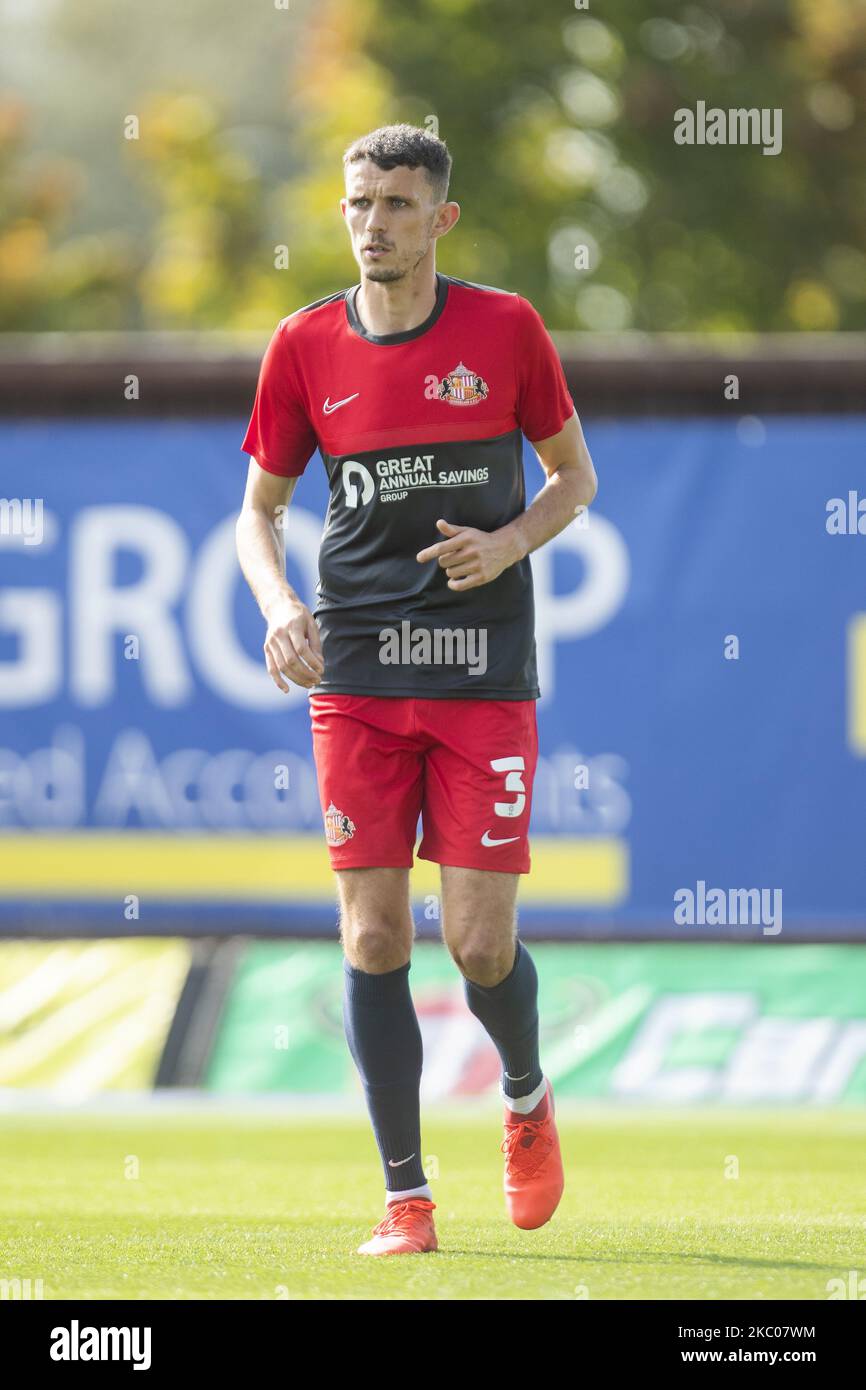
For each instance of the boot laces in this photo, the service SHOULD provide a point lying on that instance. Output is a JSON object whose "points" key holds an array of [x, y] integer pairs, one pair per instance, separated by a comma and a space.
{"points": [[526, 1145], [401, 1215]]}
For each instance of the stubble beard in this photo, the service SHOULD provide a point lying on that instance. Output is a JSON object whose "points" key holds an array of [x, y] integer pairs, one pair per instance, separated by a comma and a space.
{"points": [[388, 275], [382, 276]]}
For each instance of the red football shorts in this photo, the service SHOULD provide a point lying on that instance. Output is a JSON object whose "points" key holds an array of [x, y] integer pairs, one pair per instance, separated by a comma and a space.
{"points": [[465, 766]]}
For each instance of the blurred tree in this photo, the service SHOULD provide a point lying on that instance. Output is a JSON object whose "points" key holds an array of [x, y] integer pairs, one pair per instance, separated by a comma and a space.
{"points": [[209, 258], [561, 123], [169, 230], [561, 127], [82, 283]]}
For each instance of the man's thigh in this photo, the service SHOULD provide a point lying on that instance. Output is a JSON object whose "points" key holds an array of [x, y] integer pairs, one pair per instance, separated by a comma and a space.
{"points": [[479, 922], [478, 898], [478, 783]]}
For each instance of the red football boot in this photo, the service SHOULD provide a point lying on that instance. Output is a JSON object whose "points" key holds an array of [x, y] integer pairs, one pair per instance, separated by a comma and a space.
{"points": [[406, 1229], [533, 1167]]}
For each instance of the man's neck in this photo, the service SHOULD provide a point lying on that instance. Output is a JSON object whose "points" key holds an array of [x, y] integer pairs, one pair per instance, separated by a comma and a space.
{"points": [[397, 306]]}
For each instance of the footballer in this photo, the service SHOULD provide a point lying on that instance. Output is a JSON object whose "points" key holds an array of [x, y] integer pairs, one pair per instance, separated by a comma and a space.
{"points": [[417, 389]]}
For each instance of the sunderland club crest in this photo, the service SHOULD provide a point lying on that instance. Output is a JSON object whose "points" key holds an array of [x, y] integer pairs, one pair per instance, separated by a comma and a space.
{"points": [[462, 387], [338, 828]]}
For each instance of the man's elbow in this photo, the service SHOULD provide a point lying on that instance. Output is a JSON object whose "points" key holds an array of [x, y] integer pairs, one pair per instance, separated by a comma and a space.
{"points": [[585, 481], [591, 484], [253, 513], [249, 523]]}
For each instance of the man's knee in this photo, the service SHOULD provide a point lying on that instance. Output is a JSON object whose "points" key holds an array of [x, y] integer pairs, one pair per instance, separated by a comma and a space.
{"points": [[374, 945], [483, 953], [376, 925]]}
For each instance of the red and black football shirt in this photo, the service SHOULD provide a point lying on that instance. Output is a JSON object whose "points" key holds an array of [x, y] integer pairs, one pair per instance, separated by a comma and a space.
{"points": [[411, 427]]}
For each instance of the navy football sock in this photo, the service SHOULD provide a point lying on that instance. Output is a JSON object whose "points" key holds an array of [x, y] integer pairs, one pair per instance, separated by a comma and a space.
{"points": [[509, 1012], [385, 1041]]}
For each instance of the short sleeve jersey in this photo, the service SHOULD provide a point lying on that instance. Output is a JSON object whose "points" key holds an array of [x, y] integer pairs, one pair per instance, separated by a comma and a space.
{"points": [[413, 427]]}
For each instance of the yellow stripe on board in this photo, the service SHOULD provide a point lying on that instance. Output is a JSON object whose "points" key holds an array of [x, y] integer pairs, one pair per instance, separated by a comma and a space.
{"points": [[857, 684], [267, 868]]}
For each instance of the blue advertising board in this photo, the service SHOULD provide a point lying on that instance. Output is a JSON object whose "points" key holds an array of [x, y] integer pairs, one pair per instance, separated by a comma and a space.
{"points": [[702, 659]]}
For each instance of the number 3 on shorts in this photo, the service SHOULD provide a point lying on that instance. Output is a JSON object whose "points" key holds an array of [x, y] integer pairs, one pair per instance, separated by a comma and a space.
{"points": [[513, 768]]}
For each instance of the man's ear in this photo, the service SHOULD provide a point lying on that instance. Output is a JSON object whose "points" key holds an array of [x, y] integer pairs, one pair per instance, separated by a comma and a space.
{"points": [[453, 216]]}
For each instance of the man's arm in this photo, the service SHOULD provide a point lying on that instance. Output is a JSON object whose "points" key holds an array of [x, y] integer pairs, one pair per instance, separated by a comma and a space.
{"points": [[571, 485], [293, 648], [470, 557]]}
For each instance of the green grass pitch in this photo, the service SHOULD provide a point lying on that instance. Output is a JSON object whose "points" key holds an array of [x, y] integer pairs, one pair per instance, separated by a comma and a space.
{"points": [[248, 1205]]}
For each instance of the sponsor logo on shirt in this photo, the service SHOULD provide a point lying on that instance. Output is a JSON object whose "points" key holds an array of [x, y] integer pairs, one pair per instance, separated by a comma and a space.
{"points": [[397, 477], [462, 386], [355, 475]]}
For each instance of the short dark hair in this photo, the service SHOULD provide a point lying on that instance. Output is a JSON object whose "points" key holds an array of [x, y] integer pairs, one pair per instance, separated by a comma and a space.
{"points": [[393, 145]]}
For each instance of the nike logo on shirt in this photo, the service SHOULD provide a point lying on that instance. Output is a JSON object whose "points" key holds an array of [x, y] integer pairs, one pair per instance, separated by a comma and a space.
{"points": [[328, 408], [486, 840]]}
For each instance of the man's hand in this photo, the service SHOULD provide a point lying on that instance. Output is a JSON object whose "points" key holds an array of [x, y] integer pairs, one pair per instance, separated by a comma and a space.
{"points": [[471, 558], [293, 648]]}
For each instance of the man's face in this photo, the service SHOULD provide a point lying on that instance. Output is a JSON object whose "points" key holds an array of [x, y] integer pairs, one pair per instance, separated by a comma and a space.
{"points": [[392, 217]]}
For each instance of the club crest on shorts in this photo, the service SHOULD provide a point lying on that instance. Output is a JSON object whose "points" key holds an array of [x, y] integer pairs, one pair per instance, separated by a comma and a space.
{"points": [[338, 828], [462, 387]]}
